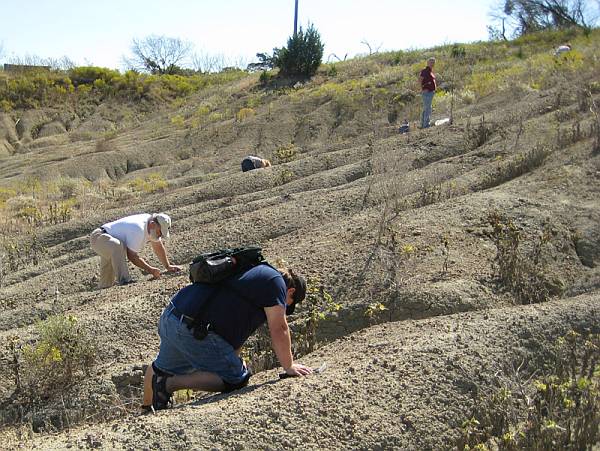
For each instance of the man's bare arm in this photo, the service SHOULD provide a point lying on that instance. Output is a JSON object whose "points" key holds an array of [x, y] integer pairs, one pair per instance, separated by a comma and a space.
{"points": [[161, 253], [281, 341], [141, 263]]}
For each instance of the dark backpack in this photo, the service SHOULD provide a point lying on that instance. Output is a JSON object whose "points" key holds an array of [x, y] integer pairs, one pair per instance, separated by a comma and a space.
{"points": [[214, 267]]}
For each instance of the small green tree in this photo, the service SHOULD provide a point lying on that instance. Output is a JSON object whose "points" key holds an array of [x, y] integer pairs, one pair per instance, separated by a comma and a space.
{"points": [[303, 54]]}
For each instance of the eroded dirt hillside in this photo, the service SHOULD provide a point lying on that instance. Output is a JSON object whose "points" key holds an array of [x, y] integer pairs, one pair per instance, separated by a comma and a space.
{"points": [[401, 385], [398, 229]]}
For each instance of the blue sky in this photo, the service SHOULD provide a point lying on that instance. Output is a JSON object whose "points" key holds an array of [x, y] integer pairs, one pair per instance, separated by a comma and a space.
{"points": [[101, 32]]}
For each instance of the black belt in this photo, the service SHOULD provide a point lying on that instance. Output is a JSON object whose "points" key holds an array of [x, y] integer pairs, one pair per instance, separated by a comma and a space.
{"points": [[200, 330], [188, 320]]}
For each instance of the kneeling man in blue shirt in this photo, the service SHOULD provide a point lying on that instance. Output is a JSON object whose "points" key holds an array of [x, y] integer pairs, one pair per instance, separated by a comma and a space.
{"points": [[233, 311]]}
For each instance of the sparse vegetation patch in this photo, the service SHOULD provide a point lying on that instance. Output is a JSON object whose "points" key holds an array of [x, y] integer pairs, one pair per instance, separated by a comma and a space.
{"points": [[556, 410], [523, 273], [65, 352]]}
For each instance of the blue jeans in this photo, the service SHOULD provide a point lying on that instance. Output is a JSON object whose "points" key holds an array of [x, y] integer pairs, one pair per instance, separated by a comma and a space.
{"points": [[427, 102], [181, 353]]}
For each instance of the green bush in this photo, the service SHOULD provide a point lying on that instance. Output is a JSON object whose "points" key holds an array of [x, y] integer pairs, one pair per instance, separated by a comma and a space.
{"points": [[458, 51], [38, 89], [332, 71], [89, 74], [265, 77], [63, 354], [303, 54], [179, 85], [131, 85], [31, 91], [149, 184]]}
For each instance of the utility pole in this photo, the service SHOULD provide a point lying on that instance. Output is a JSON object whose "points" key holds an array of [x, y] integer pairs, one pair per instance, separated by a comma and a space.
{"points": [[296, 18]]}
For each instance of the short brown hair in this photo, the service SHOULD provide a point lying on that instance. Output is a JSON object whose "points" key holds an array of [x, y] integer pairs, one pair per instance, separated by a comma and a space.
{"points": [[294, 280]]}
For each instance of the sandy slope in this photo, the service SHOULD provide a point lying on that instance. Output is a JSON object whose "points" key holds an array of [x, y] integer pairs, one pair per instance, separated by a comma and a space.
{"points": [[403, 385]]}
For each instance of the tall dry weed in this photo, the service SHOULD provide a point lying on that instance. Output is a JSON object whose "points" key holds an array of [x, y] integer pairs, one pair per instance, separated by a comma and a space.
{"points": [[522, 273]]}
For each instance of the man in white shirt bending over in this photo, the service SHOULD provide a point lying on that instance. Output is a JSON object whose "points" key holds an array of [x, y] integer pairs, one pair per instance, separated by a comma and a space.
{"points": [[123, 239]]}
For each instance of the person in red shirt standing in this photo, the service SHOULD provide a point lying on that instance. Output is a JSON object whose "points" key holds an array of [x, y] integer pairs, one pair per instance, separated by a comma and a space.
{"points": [[428, 85]]}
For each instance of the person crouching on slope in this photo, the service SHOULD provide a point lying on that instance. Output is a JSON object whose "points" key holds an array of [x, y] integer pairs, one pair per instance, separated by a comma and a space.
{"points": [[251, 162], [123, 239], [210, 361]]}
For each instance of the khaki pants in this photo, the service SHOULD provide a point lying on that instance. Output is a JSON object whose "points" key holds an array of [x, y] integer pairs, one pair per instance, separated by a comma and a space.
{"points": [[113, 258]]}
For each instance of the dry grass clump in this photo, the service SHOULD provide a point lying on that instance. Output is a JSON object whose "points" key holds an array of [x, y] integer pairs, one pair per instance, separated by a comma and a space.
{"points": [[245, 113], [477, 135], [516, 166], [34, 202], [178, 121], [595, 129], [557, 410], [148, 184], [19, 252], [522, 273]]}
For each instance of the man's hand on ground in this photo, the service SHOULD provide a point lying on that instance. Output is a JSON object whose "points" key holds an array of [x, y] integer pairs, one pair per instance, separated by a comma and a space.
{"points": [[155, 273], [297, 369], [174, 268]]}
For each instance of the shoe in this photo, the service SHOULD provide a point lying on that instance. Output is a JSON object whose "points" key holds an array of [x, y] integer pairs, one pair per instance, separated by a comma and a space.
{"points": [[126, 282], [161, 398]]}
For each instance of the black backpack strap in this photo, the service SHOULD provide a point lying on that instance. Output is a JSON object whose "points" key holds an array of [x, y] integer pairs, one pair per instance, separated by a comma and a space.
{"points": [[199, 326]]}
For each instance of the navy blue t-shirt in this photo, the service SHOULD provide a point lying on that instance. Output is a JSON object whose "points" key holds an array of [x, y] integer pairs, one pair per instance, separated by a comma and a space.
{"points": [[237, 309]]}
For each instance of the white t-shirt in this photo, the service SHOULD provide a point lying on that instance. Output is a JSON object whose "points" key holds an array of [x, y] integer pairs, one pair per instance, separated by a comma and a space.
{"points": [[130, 230]]}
